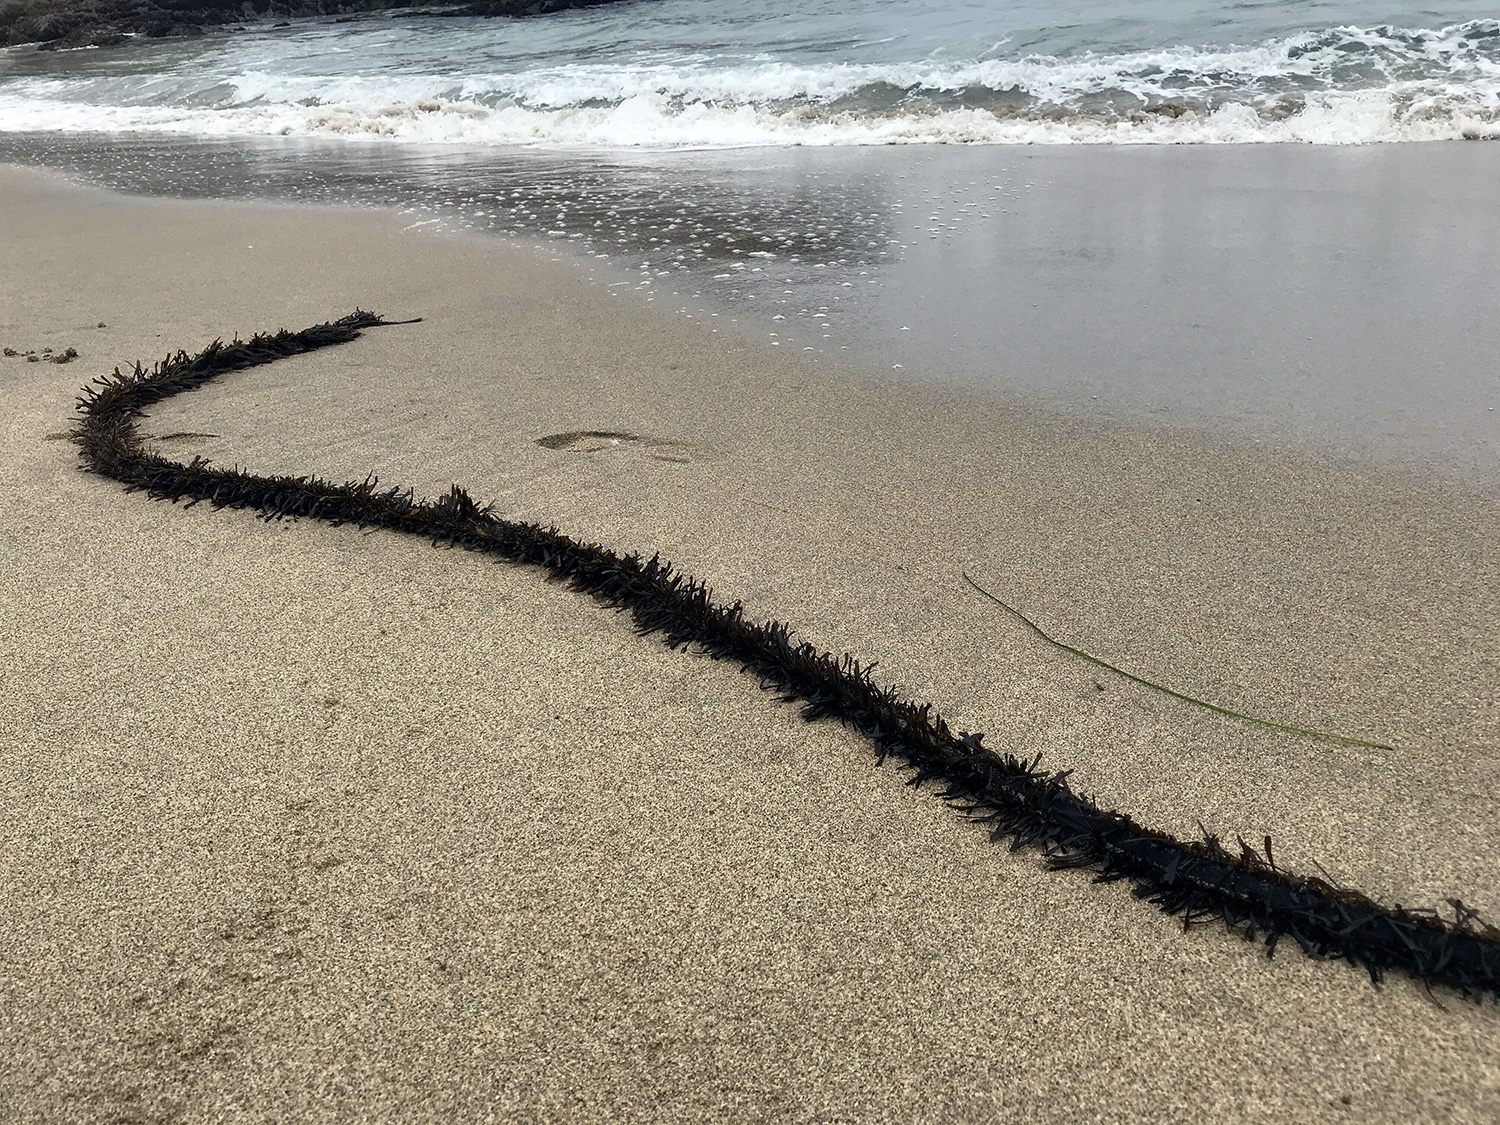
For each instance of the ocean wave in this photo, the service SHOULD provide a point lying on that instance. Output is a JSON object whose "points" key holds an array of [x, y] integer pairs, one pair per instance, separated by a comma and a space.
{"points": [[1343, 85]]}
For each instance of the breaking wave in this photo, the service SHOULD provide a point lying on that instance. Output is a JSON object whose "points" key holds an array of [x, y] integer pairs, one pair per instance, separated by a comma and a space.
{"points": [[1342, 85]]}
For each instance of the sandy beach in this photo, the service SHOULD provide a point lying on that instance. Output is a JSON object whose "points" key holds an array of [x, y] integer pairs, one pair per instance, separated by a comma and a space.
{"points": [[306, 824]]}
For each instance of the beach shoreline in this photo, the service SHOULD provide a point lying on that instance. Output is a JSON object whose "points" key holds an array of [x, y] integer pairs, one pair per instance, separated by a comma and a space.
{"points": [[1331, 300], [315, 824]]}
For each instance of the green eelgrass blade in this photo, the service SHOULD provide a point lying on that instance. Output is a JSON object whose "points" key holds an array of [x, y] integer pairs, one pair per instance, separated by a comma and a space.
{"points": [[1233, 714]]}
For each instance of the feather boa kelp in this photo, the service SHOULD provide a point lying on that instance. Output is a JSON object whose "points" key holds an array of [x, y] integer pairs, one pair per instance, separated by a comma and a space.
{"points": [[1200, 880]]}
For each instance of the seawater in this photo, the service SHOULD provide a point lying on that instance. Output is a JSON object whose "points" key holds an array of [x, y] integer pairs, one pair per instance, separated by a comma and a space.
{"points": [[711, 73], [733, 163]]}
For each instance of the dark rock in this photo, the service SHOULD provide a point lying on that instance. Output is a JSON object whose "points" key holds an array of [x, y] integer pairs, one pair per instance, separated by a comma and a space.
{"points": [[59, 24]]}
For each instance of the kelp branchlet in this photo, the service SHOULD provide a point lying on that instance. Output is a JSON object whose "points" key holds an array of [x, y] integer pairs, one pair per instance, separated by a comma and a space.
{"points": [[1014, 798]]}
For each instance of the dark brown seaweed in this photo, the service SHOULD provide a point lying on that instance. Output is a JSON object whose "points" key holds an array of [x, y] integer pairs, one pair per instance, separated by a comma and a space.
{"points": [[1014, 798]]}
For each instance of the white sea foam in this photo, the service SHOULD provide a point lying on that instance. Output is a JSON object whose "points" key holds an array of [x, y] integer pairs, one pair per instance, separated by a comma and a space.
{"points": [[647, 120], [1344, 85]]}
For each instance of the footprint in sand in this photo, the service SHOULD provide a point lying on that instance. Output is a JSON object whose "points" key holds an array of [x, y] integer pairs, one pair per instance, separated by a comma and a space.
{"points": [[604, 441], [182, 435]]}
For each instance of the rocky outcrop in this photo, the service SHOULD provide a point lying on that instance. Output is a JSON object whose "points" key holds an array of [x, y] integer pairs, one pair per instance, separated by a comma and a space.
{"points": [[56, 24]]}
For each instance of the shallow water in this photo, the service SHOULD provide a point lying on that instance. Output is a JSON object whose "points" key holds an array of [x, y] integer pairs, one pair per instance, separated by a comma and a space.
{"points": [[1340, 299]]}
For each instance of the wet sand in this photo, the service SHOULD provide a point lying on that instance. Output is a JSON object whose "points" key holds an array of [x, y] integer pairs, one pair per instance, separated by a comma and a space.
{"points": [[1340, 298], [301, 823]]}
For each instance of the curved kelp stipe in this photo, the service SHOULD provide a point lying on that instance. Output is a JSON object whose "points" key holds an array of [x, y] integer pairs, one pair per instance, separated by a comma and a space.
{"points": [[1018, 802]]}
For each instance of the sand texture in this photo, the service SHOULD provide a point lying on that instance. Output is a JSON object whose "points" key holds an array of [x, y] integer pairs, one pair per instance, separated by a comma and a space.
{"points": [[306, 824]]}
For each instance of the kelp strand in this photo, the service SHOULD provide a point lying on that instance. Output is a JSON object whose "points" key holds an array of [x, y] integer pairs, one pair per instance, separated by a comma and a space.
{"points": [[1014, 798]]}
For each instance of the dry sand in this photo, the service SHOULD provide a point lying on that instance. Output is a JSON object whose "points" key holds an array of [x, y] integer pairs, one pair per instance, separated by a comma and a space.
{"points": [[301, 824]]}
